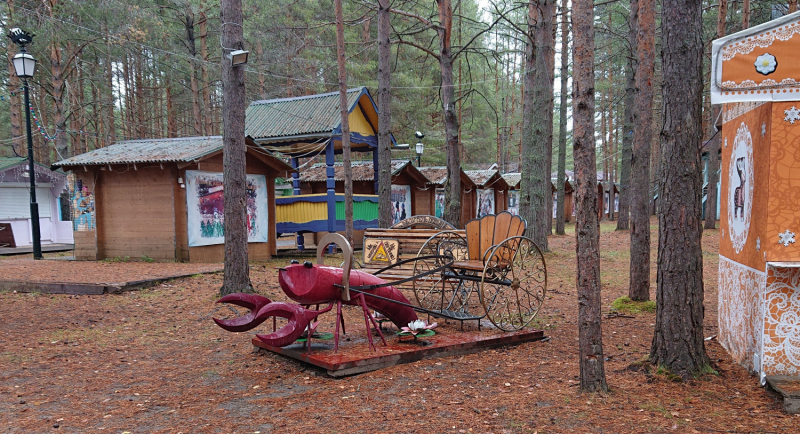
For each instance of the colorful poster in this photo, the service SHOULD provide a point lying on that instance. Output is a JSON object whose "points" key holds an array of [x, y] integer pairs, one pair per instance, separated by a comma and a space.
{"points": [[83, 208], [205, 206], [513, 202], [401, 202], [485, 202], [439, 202]]}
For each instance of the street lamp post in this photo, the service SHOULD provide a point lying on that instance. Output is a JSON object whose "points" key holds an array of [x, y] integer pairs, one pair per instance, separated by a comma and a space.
{"points": [[24, 65], [420, 148]]}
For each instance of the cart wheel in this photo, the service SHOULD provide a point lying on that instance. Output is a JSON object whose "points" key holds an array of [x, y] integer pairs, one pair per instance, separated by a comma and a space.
{"points": [[437, 291], [514, 283]]}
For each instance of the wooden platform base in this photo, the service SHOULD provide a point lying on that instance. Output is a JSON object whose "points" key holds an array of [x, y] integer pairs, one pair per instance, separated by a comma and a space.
{"points": [[355, 357], [88, 288], [789, 388]]}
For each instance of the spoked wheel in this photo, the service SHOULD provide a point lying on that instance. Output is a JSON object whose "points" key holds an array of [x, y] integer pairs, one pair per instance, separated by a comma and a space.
{"points": [[514, 283], [437, 291]]}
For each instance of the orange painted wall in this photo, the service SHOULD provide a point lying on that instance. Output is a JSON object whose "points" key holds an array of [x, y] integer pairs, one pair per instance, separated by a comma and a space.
{"points": [[756, 122]]}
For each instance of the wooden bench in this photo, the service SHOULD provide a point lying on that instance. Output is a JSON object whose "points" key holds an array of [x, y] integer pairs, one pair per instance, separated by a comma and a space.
{"points": [[383, 247]]}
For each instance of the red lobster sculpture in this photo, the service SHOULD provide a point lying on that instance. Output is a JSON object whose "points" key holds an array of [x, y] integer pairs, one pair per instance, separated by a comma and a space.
{"points": [[308, 285]]}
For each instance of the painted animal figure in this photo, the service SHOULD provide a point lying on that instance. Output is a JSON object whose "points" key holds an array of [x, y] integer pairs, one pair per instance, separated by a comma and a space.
{"points": [[308, 285], [738, 193]]}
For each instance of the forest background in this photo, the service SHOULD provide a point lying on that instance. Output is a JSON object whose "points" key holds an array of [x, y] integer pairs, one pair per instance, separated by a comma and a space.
{"points": [[111, 70]]}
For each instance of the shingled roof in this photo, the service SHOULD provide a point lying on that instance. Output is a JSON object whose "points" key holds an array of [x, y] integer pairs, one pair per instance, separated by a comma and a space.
{"points": [[437, 175], [312, 115], [183, 149], [362, 171]]}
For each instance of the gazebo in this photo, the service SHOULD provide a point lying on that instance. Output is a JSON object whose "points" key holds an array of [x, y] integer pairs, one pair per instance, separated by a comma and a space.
{"points": [[307, 126]]}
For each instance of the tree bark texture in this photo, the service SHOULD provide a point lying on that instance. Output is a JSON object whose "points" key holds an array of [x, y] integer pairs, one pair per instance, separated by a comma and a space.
{"points": [[15, 105], [590, 336], [452, 212], [678, 340], [562, 120], [639, 289], [627, 134], [745, 14], [537, 135], [237, 273], [348, 171], [792, 6], [384, 115]]}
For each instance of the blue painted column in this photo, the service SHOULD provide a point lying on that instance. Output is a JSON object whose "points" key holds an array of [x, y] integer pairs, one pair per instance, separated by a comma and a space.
{"points": [[295, 191], [295, 176], [331, 184], [375, 167]]}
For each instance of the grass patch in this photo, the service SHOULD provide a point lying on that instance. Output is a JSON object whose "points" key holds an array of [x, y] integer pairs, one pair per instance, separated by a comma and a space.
{"points": [[625, 305]]}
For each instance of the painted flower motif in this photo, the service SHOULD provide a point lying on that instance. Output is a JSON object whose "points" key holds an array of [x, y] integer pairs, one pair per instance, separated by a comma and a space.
{"points": [[766, 64], [418, 326]]}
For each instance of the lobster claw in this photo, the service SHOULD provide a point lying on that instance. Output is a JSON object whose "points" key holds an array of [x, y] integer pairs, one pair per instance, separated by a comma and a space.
{"points": [[254, 302], [298, 318]]}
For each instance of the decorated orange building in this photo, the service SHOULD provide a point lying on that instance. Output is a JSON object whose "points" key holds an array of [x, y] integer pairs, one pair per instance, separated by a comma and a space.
{"points": [[756, 75]]}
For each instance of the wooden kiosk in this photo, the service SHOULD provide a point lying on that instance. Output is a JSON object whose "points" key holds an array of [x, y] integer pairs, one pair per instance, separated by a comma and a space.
{"points": [[756, 76], [162, 199]]}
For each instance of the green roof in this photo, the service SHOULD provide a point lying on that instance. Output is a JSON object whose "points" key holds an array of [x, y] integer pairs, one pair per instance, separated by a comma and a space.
{"points": [[312, 115], [6, 162], [148, 151]]}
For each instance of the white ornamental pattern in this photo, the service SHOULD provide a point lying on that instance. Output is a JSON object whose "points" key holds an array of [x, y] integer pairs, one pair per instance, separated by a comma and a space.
{"points": [[781, 345], [762, 40], [740, 310], [740, 188], [792, 115]]}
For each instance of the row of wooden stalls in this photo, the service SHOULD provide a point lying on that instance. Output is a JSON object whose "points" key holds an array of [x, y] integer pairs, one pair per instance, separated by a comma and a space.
{"points": [[163, 198]]}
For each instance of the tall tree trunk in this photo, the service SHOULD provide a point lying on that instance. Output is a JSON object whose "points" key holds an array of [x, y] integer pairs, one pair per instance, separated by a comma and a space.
{"points": [[562, 120], [343, 111], [678, 341], [208, 111], [111, 132], [237, 273], [141, 127], [384, 115], [627, 134], [745, 14], [452, 212], [196, 98], [639, 289], [590, 335], [792, 6], [537, 135], [15, 84]]}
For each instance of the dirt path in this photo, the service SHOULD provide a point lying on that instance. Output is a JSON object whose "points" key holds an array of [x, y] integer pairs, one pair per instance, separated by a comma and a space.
{"points": [[152, 361]]}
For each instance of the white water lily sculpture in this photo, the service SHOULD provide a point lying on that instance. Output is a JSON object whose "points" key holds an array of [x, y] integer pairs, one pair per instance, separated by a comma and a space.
{"points": [[418, 326], [766, 64]]}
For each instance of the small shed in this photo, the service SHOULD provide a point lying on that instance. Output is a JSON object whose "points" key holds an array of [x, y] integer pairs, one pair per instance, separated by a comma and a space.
{"points": [[491, 193], [756, 76], [163, 199], [514, 179], [437, 177], [51, 194]]}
